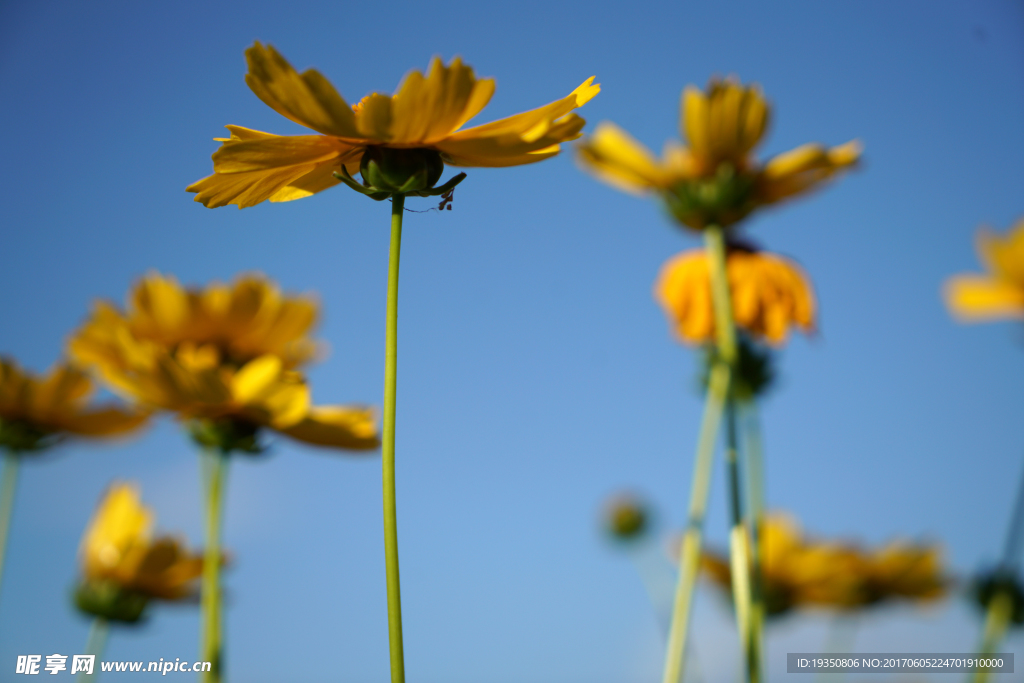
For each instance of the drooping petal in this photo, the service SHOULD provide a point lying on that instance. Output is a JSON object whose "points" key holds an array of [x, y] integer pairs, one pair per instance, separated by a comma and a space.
{"points": [[980, 298], [240, 156], [307, 99], [614, 156], [251, 188], [354, 428]]}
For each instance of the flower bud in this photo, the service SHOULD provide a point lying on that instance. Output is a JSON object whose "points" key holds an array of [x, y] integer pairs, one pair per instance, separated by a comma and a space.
{"points": [[626, 517], [388, 169]]}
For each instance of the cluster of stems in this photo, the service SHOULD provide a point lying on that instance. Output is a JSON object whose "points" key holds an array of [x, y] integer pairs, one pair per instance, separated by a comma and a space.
{"points": [[746, 511]]}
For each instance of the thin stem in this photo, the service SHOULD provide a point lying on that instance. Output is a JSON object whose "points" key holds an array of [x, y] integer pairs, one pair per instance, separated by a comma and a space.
{"points": [[753, 448], [7, 488], [690, 550], [95, 643], [212, 647], [725, 331], [388, 449], [1015, 534], [739, 553], [997, 619]]}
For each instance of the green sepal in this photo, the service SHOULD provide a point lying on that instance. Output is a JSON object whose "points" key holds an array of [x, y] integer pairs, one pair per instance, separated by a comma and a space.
{"points": [[227, 435], [723, 199], [754, 373], [346, 178], [22, 437], [107, 600], [442, 190], [988, 585]]}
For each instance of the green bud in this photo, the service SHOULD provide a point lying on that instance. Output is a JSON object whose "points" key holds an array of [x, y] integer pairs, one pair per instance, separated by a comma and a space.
{"points": [[107, 600], [724, 199], [226, 435], [387, 169], [626, 517]]}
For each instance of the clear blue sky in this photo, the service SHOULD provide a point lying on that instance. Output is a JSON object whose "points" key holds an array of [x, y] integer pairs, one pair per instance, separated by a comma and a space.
{"points": [[537, 375]]}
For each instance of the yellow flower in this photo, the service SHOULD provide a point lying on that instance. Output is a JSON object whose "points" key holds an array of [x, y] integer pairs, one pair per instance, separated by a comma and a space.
{"points": [[425, 113], [118, 546], [223, 357], [796, 573], [35, 411], [905, 570], [715, 180], [770, 295], [999, 294]]}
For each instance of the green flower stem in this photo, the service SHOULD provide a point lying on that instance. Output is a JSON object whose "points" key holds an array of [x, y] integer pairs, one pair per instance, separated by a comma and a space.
{"points": [[690, 549], [725, 331], [754, 452], [95, 643], [739, 551], [211, 647], [997, 620], [388, 448], [7, 487]]}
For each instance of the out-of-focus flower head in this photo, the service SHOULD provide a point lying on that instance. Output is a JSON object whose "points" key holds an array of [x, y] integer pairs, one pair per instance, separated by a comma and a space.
{"points": [[715, 180], [626, 517], [904, 570], [37, 411], [770, 295], [1000, 294], [222, 358], [797, 572], [124, 566], [398, 142]]}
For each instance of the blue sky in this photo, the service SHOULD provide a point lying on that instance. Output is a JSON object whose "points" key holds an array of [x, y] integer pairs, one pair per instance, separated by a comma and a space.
{"points": [[537, 375]]}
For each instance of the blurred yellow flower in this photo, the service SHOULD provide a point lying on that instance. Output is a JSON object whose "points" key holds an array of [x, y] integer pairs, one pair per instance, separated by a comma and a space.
{"points": [[770, 295], [796, 572], [905, 570], [425, 113], [119, 546], [801, 572], [221, 355], [1000, 294], [715, 180], [35, 410]]}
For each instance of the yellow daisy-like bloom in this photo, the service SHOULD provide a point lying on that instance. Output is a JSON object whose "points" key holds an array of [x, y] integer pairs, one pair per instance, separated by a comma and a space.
{"points": [[425, 113], [999, 295], [905, 570], [37, 410], [219, 355], [770, 295], [716, 179], [119, 547], [797, 572]]}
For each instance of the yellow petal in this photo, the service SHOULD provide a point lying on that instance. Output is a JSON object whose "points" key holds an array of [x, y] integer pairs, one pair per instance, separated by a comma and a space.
{"points": [[240, 156], [352, 428], [519, 124], [427, 109], [307, 99], [103, 422], [618, 159], [255, 380], [695, 120], [254, 187], [373, 117], [510, 150], [1003, 256], [975, 298]]}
